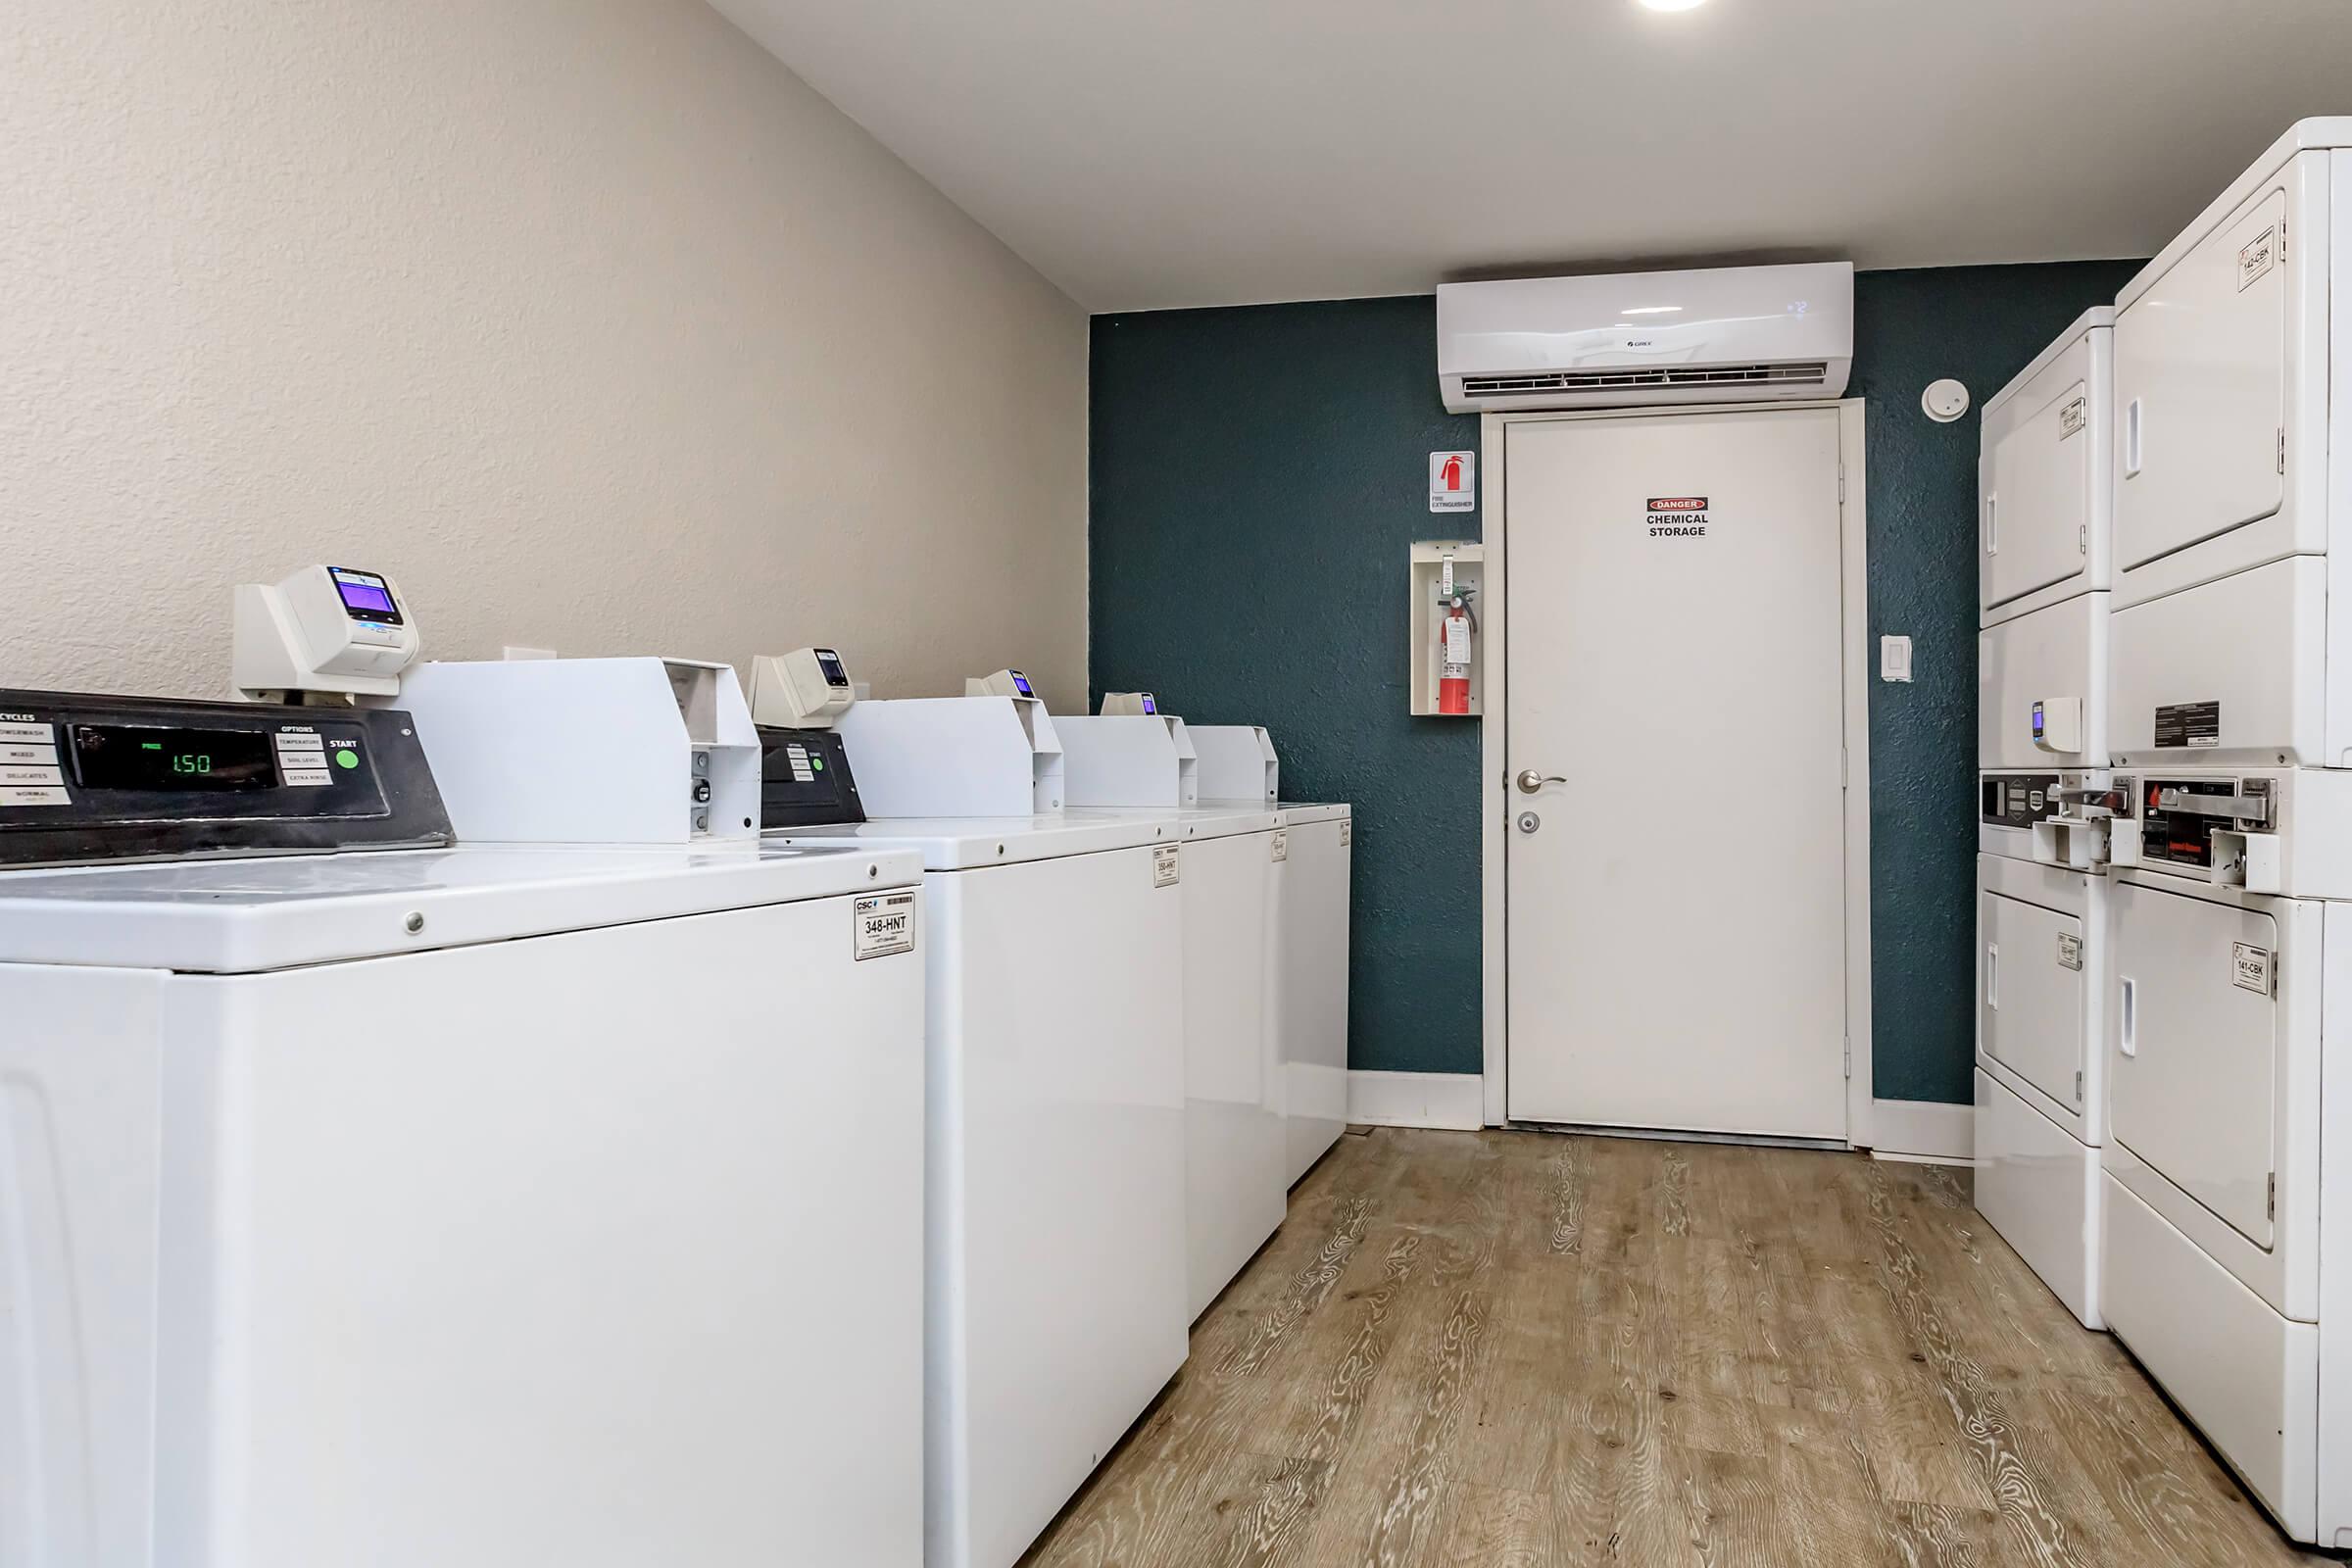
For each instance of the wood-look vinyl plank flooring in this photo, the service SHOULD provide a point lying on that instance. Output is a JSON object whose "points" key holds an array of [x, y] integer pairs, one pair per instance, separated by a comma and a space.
{"points": [[1524, 1349]]}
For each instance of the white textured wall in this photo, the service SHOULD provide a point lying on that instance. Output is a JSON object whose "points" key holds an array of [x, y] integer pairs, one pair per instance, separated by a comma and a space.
{"points": [[583, 318]]}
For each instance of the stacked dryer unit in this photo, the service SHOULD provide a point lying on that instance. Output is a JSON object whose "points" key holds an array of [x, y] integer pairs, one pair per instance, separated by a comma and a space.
{"points": [[2043, 574], [2228, 1263]]}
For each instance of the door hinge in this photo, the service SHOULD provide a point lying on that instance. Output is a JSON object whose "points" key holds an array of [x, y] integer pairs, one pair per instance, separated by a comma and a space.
{"points": [[1849, 1056], [2282, 239], [2078, 1089], [2083, 540], [2283, 449], [2273, 1207], [1841, 482]]}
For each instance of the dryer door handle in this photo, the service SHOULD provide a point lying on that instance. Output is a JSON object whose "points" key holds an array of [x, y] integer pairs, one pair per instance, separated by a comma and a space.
{"points": [[1992, 975], [2128, 1036]]}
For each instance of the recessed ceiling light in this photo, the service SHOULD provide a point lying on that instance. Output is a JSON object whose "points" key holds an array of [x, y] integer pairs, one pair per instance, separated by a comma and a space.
{"points": [[1673, 4]]}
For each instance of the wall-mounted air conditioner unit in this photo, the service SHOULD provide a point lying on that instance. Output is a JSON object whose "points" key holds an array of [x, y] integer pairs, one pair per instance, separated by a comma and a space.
{"points": [[1739, 334]]}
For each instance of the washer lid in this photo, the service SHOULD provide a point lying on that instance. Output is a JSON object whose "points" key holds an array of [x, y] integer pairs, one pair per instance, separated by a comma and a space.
{"points": [[1213, 819], [966, 842], [218, 917]]}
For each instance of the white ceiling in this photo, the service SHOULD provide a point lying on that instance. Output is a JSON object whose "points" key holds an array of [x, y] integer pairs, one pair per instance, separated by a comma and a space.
{"points": [[1197, 152]]}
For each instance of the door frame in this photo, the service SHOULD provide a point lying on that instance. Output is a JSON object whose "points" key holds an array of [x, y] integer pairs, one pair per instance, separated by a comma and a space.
{"points": [[1494, 802]]}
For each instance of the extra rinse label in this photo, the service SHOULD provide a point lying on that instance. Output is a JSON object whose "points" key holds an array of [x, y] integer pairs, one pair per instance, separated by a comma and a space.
{"points": [[883, 924], [1678, 516]]}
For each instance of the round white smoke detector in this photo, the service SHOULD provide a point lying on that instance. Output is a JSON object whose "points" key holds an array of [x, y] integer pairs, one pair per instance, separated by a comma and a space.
{"points": [[1946, 399]]}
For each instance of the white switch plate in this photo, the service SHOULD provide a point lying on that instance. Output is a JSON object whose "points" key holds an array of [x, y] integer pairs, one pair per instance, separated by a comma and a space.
{"points": [[1895, 658], [513, 651]]}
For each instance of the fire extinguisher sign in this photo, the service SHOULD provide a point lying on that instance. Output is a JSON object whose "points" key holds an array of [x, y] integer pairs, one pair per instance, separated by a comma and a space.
{"points": [[1454, 481]]}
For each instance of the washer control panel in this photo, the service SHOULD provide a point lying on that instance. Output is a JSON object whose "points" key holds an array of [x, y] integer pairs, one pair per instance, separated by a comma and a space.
{"points": [[86, 778]]}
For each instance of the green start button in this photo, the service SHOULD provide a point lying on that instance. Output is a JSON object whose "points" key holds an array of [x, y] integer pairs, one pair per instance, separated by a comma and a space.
{"points": [[347, 758]]}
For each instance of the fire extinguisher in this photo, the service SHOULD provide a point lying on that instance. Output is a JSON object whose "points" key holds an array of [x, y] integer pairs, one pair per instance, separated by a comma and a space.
{"points": [[1457, 627]]}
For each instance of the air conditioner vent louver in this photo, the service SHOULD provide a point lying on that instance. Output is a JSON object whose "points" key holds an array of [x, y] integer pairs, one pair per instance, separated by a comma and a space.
{"points": [[1812, 372]]}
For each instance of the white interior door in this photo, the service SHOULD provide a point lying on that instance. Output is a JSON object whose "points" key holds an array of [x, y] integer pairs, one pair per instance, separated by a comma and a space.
{"points": [[1676, 882]]}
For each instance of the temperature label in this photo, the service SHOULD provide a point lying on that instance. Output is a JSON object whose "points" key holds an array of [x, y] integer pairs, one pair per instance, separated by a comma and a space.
{"points": [[884, 924]]}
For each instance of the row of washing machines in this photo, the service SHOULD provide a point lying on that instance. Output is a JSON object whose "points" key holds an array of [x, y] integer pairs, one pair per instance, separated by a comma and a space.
{"points": [[2164, 1062], [479, 1113]]}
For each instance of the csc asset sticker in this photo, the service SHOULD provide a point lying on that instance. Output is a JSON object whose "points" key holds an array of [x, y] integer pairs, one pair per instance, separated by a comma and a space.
{"points": [[2252, 967], [1163, 865], [1678, 516], [1281, 842], [2257, 256], [883, 924]]}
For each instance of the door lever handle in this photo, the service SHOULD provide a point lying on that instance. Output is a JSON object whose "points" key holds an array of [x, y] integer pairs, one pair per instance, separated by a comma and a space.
{"points": [[1531, 781]]}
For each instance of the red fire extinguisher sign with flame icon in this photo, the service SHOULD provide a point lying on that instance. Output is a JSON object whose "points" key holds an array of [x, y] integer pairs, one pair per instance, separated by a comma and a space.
{"points": [[1452, 481]]}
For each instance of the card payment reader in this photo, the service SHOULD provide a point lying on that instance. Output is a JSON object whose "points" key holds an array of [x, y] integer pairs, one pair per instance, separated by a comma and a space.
{"points": [[1003, 683], [804, 775]]}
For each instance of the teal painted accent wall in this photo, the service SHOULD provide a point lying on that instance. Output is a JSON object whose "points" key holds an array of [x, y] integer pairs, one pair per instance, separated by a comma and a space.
{"points": [[1257, 475]]}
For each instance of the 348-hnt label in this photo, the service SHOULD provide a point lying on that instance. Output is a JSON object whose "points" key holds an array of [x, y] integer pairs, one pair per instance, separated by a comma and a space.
{"points": [[1282, 844], [883, 924], [1163, 865]]}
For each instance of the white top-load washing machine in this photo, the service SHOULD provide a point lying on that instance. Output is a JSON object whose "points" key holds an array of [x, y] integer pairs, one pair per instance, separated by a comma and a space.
{"points": [[1233, 869], [2228, 1265], [2043, 578], [463, 1205], [1237, 763], [1055, 1160]]}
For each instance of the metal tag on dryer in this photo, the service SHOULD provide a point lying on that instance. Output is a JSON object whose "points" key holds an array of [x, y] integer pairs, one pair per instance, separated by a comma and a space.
{"points": [[2252, 967], [1163, 865], [2069, 951], [1281, 841]]}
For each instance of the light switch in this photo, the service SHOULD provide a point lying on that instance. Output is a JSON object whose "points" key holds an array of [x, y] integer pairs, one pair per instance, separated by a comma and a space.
{"points": [[1895, 658]]}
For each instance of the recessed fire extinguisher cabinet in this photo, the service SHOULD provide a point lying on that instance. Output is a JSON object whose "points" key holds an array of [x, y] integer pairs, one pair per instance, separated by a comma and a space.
{"points": [[1448, 655]]}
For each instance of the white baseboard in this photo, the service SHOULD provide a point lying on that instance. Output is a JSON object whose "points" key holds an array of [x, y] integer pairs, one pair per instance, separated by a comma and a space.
{"points": [[1923, 1130], [1448, 1099]]}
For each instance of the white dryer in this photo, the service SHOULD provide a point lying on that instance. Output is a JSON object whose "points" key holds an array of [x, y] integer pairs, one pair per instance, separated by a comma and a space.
{"points": [[2228, 1266], [2233, 505], [2043, 592], [471, 1203]]}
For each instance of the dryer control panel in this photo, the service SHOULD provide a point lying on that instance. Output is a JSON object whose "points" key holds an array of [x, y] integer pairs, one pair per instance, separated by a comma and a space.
{"points": [[86, 778], [2016, 800]]}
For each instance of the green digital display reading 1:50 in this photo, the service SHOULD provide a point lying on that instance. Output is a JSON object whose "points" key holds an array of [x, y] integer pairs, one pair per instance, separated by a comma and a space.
{"points": [[128, 756]]}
